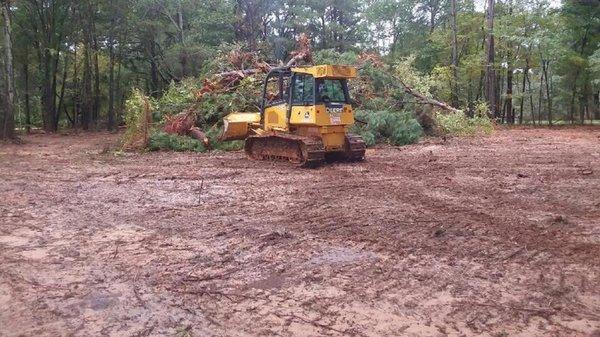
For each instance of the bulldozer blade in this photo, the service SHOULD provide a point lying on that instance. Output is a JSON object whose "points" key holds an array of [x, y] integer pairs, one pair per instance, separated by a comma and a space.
{"points": [[237, 126]]}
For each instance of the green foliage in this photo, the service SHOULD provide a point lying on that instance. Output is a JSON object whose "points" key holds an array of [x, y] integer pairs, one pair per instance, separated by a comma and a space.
{"points": [[145, 45], [177, 98], [137, 117], [215, 133], [595, 66], [441, 80], [458, 124], [213, 107], [331, 56], [230, 146], [378, 103], [397, 128], [162, 141], [383, 83], [406, 71]]}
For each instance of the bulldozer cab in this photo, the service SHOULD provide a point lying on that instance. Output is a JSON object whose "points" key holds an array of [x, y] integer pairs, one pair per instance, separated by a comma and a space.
{"points": [[307, 90], [307, 96], [276, 89]]}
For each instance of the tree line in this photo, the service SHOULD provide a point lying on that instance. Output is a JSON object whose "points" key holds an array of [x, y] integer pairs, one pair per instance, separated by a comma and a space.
{"points": [[72, 63]]}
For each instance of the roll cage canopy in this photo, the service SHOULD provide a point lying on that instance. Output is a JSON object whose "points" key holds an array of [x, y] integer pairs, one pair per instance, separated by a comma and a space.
{"points": [[328, 71], [287, 78]]}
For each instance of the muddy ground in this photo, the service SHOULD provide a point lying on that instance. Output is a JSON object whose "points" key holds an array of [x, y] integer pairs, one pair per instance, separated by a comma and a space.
{"points": [[493, 236]]}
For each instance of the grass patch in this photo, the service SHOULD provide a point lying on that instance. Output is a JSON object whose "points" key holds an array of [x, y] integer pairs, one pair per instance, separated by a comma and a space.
{"points": [[392, 127], [458, 124], [162, 141]]}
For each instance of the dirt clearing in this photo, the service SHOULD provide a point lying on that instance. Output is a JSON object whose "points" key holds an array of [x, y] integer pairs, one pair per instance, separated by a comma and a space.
{"points": [[496, 236]]}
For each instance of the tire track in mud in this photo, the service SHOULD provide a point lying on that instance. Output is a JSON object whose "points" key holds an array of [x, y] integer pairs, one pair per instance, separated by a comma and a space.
{"points": [[487, 235]]}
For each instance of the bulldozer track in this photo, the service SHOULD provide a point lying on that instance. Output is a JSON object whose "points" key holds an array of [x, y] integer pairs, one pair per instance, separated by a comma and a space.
{"points": [[355, 148], [303, 151]]}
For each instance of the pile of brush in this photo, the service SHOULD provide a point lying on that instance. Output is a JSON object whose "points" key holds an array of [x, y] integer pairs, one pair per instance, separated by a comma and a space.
{"points": [[194, 109], [184, 123]]}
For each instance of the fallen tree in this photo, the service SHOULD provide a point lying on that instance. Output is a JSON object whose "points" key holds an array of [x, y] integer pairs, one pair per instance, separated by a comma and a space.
{"points": [[375, 60], [427, 100], [184, 123]]}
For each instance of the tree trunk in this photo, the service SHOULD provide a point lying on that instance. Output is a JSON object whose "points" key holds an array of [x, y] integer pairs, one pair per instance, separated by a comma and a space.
{"points": [[572, 105], [530, 93], [596, 100], [118, 89], [111, 93], [47, 26], [196, 133], [480, 86], [490, 72], [431, 21], [87, 105], [522, 103], [545, 66], [154, 85], [470, 107], [454, 99], [8, 125], [119, 94], [591, 102], [111, 74], [541, 97], [523, 88], [510, 116], [583, 104], [500, 86], [61, 98], [53, 61], [76, 98], [56, 112], [47, 93], [26, 91], [184, 52], [424, 99], [97, 94], [86, 94]]}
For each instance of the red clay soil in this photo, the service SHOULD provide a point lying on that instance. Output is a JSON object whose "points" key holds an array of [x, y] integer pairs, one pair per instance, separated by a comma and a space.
{"points": [[493, 236]]}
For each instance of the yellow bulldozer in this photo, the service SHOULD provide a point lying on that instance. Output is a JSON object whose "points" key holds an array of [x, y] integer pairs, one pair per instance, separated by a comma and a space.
{"points": [[305, 116]]}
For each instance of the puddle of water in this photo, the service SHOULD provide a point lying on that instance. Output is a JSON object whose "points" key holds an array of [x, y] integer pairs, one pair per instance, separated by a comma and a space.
{"points": [[274, 281], [14, 241], [342, 256], [100, 301], [35, 254]]}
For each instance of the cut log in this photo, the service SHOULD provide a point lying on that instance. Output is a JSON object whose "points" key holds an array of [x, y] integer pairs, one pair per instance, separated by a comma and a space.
{"points": [[303, 53], [196, 133]]}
